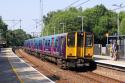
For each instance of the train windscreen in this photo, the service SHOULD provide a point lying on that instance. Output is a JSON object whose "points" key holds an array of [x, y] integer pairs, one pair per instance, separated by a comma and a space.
{"points": [[89, 40], [71, 40]]}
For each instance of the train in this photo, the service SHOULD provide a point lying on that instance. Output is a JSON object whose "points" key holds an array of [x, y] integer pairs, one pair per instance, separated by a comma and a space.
{"points": [[72, 49]]}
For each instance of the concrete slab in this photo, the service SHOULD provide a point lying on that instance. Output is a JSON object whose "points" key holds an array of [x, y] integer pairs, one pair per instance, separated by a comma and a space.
{"points": [[7, 74], [108, 60]]}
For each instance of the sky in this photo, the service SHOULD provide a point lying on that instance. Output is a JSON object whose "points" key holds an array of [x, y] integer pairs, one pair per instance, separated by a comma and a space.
{"points": [[29, 11]]}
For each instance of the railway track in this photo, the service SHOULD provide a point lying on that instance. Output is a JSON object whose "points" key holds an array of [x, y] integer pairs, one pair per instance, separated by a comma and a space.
{"points": [[66, 76], [99, 78], [113, 67]]}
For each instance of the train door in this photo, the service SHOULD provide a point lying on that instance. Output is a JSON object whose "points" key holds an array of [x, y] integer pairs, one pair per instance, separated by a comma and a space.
{"points": [[63, 46], [52, 46], [71, 45], [80, 44], [43, 45], [89, 41]]}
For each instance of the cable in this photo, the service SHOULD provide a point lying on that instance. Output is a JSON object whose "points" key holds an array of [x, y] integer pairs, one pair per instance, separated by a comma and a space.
{"points": [[82, 3], [72, 4], [14, 25], [119, 8]]}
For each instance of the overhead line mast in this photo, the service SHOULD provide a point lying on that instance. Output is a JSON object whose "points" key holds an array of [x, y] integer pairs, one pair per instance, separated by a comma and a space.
{"points": [[118, 23], [41, 15]]}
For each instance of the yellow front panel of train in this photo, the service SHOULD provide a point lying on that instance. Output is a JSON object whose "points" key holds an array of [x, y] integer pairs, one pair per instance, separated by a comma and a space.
{"points": [[89, 41], [89, 51], [71, 52], [71, 45], [80, 52]]}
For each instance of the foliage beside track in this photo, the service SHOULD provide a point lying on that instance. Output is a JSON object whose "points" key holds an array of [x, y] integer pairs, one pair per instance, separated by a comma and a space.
{"points": [[12, 38], [16, 37], [98, 20], [3, 30]]}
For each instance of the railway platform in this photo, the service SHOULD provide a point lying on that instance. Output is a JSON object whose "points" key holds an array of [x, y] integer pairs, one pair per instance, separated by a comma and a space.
{"points": [[107, 60], [21, 71], [7, 75]]}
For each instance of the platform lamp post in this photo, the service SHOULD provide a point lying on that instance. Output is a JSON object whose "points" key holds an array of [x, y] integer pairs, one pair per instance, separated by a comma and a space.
{"points": [[107, 35], [63, 26], [82, 21]]}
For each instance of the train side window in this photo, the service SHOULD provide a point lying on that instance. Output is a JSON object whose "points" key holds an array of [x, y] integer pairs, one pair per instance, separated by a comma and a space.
{"points": [[43, 43], [35, 45], [39, 42], [46, 43], [56, 43]]}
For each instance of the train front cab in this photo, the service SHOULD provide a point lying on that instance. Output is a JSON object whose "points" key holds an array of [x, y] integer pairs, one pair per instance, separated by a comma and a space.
{"points": [[79, 48]]}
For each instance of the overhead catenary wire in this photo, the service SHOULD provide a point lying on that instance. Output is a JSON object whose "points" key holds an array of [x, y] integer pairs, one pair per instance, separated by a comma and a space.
{"points": [[72, 4], [119, 8], [76, 5], [14, 25], [82, 3]]}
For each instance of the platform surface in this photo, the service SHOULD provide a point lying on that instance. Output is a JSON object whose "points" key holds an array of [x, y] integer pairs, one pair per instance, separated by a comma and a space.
{"points": [[7, 75], [25, 72], [108, 60]]}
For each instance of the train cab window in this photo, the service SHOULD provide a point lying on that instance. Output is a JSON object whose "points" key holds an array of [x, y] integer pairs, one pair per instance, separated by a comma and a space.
{"points": [[71, 40], [89, 40], [80, 38]]}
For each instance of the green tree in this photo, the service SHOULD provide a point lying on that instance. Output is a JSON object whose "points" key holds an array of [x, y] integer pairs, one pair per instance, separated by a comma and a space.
{"points": [[3, 29], [16, 37], [122, 22], [98, 20], [122, 27]]}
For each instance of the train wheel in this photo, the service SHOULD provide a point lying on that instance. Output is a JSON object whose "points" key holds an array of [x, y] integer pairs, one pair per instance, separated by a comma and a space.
{"points": [[59, 62], [93, 65], [64, 64]]}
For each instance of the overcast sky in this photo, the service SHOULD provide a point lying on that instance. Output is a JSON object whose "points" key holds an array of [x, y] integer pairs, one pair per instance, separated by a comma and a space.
{"points": [[28, 10]]}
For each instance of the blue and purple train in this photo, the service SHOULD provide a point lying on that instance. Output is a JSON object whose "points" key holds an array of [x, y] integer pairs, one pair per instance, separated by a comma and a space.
{"points": [[67, 49]]}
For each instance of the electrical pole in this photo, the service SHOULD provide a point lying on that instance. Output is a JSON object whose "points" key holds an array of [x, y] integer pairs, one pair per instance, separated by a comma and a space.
{"points": [[118, 24], [82, 21], [20, 23], [41, 15], [54, 30], [63, 26], [36, 22]]}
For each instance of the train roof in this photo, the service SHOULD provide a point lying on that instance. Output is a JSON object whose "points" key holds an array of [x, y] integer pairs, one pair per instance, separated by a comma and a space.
{"points": [[63, 34]]}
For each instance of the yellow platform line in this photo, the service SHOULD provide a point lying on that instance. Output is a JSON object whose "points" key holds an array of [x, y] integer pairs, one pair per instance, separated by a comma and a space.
{"points": [[14, 70]]}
